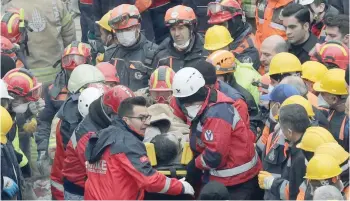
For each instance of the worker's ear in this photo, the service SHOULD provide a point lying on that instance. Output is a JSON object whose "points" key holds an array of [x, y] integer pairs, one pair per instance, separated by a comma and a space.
{"points": [[346, 39], [306, 26]]}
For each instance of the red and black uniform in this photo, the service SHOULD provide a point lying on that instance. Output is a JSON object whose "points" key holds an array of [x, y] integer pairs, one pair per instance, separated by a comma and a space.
{"points": [[118, 167]]}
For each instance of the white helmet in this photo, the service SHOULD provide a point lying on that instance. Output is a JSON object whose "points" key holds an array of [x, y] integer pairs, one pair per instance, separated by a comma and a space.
{"points": [[86, 97], [82, 75], [187, 81], [3, 90], [304, 2]]}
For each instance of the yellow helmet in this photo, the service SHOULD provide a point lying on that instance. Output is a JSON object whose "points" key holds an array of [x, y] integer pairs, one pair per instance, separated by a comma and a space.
{"points": [[296, 99], [223, 60], [322, 167], [6, 121], [217, 37], [333, 82], [103, 22], [284, 62], [335, 150], [314, 137], [313, 71]]}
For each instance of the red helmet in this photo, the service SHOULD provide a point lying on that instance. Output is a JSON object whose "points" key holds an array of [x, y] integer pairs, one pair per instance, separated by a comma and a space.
{"points": [[10, 26], [75, 54], [115, 95], [332, 53], [22, 82], [160, 84], [8, 49], [221, 11], [109, 71]]}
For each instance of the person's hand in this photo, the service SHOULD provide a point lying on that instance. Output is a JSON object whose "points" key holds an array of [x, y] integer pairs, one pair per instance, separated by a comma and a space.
{"points": [[10, 187], [36, 107], [188, 189], [30, 126], [43, 162], [265, 180]]}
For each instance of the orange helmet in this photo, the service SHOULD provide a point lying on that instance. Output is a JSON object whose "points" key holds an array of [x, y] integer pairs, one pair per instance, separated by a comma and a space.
{"points": [[160, 84], [10, 26], [22, 82], [221, 11], [124, 16], [7, 48], [223, 60], [332, 54], [109, 71], [180, 15], [75, 54]]}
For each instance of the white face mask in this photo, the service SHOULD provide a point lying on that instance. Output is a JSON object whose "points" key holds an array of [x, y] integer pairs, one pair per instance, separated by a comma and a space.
{"points": [[193, 110], [20, 109], [322, 102], [127, 38], [270, 88], [182, 47]]}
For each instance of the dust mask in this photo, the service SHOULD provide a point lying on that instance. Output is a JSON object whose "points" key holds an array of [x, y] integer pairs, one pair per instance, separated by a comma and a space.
{"points": [[127, 38], [193, 110], [182, 47], [321, 102], [20, 109]]}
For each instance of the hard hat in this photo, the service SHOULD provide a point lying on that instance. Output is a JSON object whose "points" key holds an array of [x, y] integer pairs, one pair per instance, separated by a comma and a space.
{"points": [[305, 2], [284, 62], [86, 97], [223, 60], [3, 90], [161, 79], [314, 137], [75, 54], [22, 82], [115, 95], [222, 11], [322, 167], [82, 75], [8, 48], [333, 82], [217, 37], [103, 22], [109, 71], [264, 84], [6, 121], [187, 81], [180, 15], [332, 54], [98, 85], [333, 149], [296, 99], [124, 16], [10, 26], [313, 71]]}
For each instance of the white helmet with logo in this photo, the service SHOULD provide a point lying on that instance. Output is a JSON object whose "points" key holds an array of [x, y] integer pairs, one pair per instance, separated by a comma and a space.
{"points": [[3, 90], [304, 2], [82, 75], [187, 81], [86, 97]]}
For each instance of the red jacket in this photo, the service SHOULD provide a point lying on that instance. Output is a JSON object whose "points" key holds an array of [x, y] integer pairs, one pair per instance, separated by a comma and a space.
{"points": [[56, 174], [118, 167]]}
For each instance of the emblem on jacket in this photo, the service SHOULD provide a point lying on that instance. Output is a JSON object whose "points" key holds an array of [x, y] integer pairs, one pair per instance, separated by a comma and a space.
{"points": [[99, 167], [209, 135], [37, 23], [272, 155], [138, 75]]}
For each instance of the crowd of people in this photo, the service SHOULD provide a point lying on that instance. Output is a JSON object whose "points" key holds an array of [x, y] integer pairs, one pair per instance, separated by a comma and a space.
{"points": [[175, 99]]}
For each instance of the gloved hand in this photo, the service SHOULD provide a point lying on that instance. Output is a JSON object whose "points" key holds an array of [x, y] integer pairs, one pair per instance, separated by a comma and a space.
{"points": [[265, 180], [43, 162], [188, 189], [10, 187], [30, 126], [36, 107]]}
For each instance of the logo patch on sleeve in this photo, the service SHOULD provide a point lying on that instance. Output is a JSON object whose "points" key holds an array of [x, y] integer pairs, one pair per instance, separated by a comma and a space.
{"points": [[209, 135], [144, 159]]}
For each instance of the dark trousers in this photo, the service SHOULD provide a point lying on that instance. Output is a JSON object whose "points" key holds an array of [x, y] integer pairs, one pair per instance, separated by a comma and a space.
{"points": [[246, 191]]}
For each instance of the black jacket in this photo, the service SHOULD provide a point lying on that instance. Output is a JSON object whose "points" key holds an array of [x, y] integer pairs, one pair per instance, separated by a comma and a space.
{"points": [[200, 9], [302, 51]]}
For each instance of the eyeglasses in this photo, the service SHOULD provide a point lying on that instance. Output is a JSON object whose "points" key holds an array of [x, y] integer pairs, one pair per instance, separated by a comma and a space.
{"points": [[141, 118]]}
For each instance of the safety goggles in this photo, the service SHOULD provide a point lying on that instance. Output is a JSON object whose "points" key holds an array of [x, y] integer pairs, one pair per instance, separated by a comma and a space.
{"points": [[216, 7], [122, 20], [161, 96], [172, 22], [35, 93], [75, 59]]}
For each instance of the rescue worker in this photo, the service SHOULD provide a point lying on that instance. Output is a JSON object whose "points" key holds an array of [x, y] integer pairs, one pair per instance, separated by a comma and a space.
{"points": [[319, 10], [70, 117], [271, 46], [106, 151], [337, 28], [333, 94], [200, 8], [75, 54], [230, 14], [133, 55], [87, 96], [296, 20], [110, 73], [12, 50], [268, 21], [53, 30], [294, 121], [185, 46], [312, 71], [98, 118], [10, 171], [212, 145], [107, 38], [333, 54]]}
